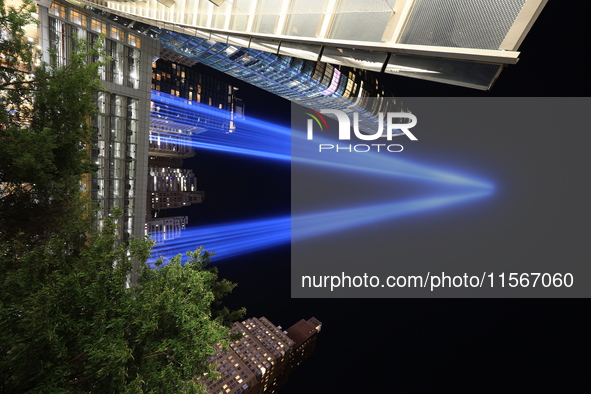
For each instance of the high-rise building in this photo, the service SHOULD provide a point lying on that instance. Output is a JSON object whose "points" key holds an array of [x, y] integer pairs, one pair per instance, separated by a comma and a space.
{"points": [[185, 82], [462, 42], [172, 188], [213, 108], [310, 83], [184, 103], [120, 137], [261, 361], [166, 229], [307, 81], [304, 335]]}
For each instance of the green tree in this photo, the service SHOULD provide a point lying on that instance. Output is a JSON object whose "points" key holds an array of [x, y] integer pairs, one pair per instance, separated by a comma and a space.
{"points": [[68, 323], [69, 319], [43, 128]]}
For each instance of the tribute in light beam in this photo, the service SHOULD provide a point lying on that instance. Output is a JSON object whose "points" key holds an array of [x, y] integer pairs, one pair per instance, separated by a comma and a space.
{"points": [[252, 137], [267, 140], [232, 239]]}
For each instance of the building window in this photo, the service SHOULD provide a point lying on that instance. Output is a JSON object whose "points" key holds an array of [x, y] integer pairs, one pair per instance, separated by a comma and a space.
{"points": [[98, 26], [61, 39], [115, 68], [58, 10], [133, 40], [133, 65], [116, 34], [77, 17]]}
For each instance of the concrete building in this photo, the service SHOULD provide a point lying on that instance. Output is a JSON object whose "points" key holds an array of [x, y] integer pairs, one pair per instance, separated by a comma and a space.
{"points": [[261, 361]]}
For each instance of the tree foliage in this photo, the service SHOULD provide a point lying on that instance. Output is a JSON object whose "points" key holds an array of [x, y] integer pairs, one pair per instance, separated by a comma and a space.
{"points": [[44, 130], [69, 319], [68, 322]]}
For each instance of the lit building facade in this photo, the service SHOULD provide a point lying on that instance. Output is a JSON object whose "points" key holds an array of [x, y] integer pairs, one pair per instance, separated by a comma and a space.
{"points": [[172, 126], [307, 81], [120, 137], [462, 42], [172, 188], [185, 82], [263, 358], [304, 334], [166, 229]]}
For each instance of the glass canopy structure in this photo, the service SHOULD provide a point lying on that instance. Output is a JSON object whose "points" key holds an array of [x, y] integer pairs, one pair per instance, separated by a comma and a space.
{"points": [[460, 42]]}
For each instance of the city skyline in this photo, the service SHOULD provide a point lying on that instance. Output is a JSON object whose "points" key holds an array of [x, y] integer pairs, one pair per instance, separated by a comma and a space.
{"points": [[431, 344]]}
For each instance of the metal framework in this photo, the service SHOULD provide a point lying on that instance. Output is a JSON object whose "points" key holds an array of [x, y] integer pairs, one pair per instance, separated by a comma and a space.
{"points": [[440, 40]]}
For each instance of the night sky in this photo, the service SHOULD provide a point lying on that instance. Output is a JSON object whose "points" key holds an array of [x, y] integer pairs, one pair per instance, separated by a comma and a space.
{"points": [[409, 345]]}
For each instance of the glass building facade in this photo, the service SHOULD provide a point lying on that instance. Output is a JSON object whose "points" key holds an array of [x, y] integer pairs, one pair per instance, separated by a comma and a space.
{"points": [[186, 103], [461, 42], [172, 188], [120, 127], [309, 83], [305, 80], [166, 229]]}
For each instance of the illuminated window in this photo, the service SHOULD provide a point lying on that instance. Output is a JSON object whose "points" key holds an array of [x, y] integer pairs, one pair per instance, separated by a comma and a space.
{"points": [[116, 34], [77, 17], [98, 26], [349, 89], [58, 10], [133, 40]]}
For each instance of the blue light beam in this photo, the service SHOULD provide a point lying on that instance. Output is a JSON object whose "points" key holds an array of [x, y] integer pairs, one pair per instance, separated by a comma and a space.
{"points": [[267, 140], [373, 162], [252, 137], [313, 225], [230, 239], [263, 139], [233, 239]]}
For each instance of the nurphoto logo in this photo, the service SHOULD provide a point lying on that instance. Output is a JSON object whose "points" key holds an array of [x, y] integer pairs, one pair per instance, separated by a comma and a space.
{"points": [[345, 130]]}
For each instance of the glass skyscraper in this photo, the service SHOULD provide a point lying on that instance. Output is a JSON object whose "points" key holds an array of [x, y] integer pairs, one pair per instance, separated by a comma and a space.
{"points": [[309, 83], [460, 42]]}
